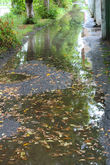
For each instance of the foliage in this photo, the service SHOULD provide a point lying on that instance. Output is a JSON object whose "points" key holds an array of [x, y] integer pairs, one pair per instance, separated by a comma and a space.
{"points": [[18, 24], [63, 3], [53, 126], [44, 13], [7, 34], [18, 6], [29, 21], [4, 1], [40, 9]]}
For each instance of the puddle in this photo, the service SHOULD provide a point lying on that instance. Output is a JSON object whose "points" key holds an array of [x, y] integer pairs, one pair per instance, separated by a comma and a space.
{"points": [[14, 77], [17, 77], [8, 127], [60, 120]]}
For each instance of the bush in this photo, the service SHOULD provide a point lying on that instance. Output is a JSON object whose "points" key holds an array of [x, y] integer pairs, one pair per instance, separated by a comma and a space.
{"points": [[45, 13], [52, 13], [29, 21], [64, 3], [7, 35], [18, 6]]}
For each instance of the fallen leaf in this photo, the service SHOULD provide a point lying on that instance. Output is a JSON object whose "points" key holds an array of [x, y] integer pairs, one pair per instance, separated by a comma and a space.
{"points": [[48, 74]]}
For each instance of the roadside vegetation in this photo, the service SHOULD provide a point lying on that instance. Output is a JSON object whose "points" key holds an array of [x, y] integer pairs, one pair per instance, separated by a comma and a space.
{"points": [[15, 25], [7, 35]]}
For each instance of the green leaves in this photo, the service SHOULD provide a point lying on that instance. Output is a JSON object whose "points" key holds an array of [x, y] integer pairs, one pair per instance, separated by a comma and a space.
{"points": [[7, 34]]}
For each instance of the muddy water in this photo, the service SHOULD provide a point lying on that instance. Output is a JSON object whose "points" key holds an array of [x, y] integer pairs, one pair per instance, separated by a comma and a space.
{"points": [[50, 107]]}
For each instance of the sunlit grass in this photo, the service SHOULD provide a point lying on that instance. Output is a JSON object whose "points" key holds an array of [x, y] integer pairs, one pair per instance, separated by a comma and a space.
{"points": [[18, 25], [21, 29]]}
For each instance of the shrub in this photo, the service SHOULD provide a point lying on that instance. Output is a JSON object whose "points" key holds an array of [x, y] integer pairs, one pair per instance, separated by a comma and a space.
{"points": [[64, 3], [18, 6], [29, 21], [45, 13], [7, 35], [52, 13]]}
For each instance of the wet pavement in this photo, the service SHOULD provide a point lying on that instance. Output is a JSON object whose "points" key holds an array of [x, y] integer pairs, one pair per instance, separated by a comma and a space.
{"points": [[53, 94], [98, 54]]}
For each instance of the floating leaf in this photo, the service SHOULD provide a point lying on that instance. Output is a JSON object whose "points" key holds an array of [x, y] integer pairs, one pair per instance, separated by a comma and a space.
{"points": [[91, 158], [82, 160], [26, 144], [48, 74]]}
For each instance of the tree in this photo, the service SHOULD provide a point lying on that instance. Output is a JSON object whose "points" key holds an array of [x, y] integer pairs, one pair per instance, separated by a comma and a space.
{"points": [[29, 8], [46, 4]]}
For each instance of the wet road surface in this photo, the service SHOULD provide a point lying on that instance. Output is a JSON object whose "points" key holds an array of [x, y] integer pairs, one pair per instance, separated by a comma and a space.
{"points": [[51, 98]]}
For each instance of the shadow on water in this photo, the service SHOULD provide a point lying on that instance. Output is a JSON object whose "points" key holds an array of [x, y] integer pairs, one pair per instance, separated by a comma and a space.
{"points": [[59, 123]]}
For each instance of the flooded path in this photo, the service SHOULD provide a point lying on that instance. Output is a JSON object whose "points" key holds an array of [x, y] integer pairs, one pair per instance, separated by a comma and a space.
{"points": [[51, 104]]}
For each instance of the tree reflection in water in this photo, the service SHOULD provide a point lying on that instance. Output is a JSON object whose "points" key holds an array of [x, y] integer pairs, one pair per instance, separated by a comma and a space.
{"points": [[55, 125]]}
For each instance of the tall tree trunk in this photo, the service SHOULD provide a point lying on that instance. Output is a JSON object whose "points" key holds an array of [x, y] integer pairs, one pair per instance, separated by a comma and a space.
{"points": [[46, 4], [29, 8]]}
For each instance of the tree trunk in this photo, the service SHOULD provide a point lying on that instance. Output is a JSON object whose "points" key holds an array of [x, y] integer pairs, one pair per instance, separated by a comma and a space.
{"points": [[46, 4], [29, 8]]}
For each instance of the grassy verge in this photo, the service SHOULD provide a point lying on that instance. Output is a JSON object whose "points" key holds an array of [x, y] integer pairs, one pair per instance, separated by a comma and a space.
{"points": [[22, 29], [18, 24]]}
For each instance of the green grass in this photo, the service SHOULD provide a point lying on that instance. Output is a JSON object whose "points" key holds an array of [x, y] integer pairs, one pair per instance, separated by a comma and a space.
{"points": [[43, 22], [18, 24], [62, 12], [18, 27], [22, 29]]}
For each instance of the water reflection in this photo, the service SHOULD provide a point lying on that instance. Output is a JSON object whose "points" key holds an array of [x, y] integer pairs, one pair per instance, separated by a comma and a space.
{"points": [[55, 45], [55, 106], [58, 123]]}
